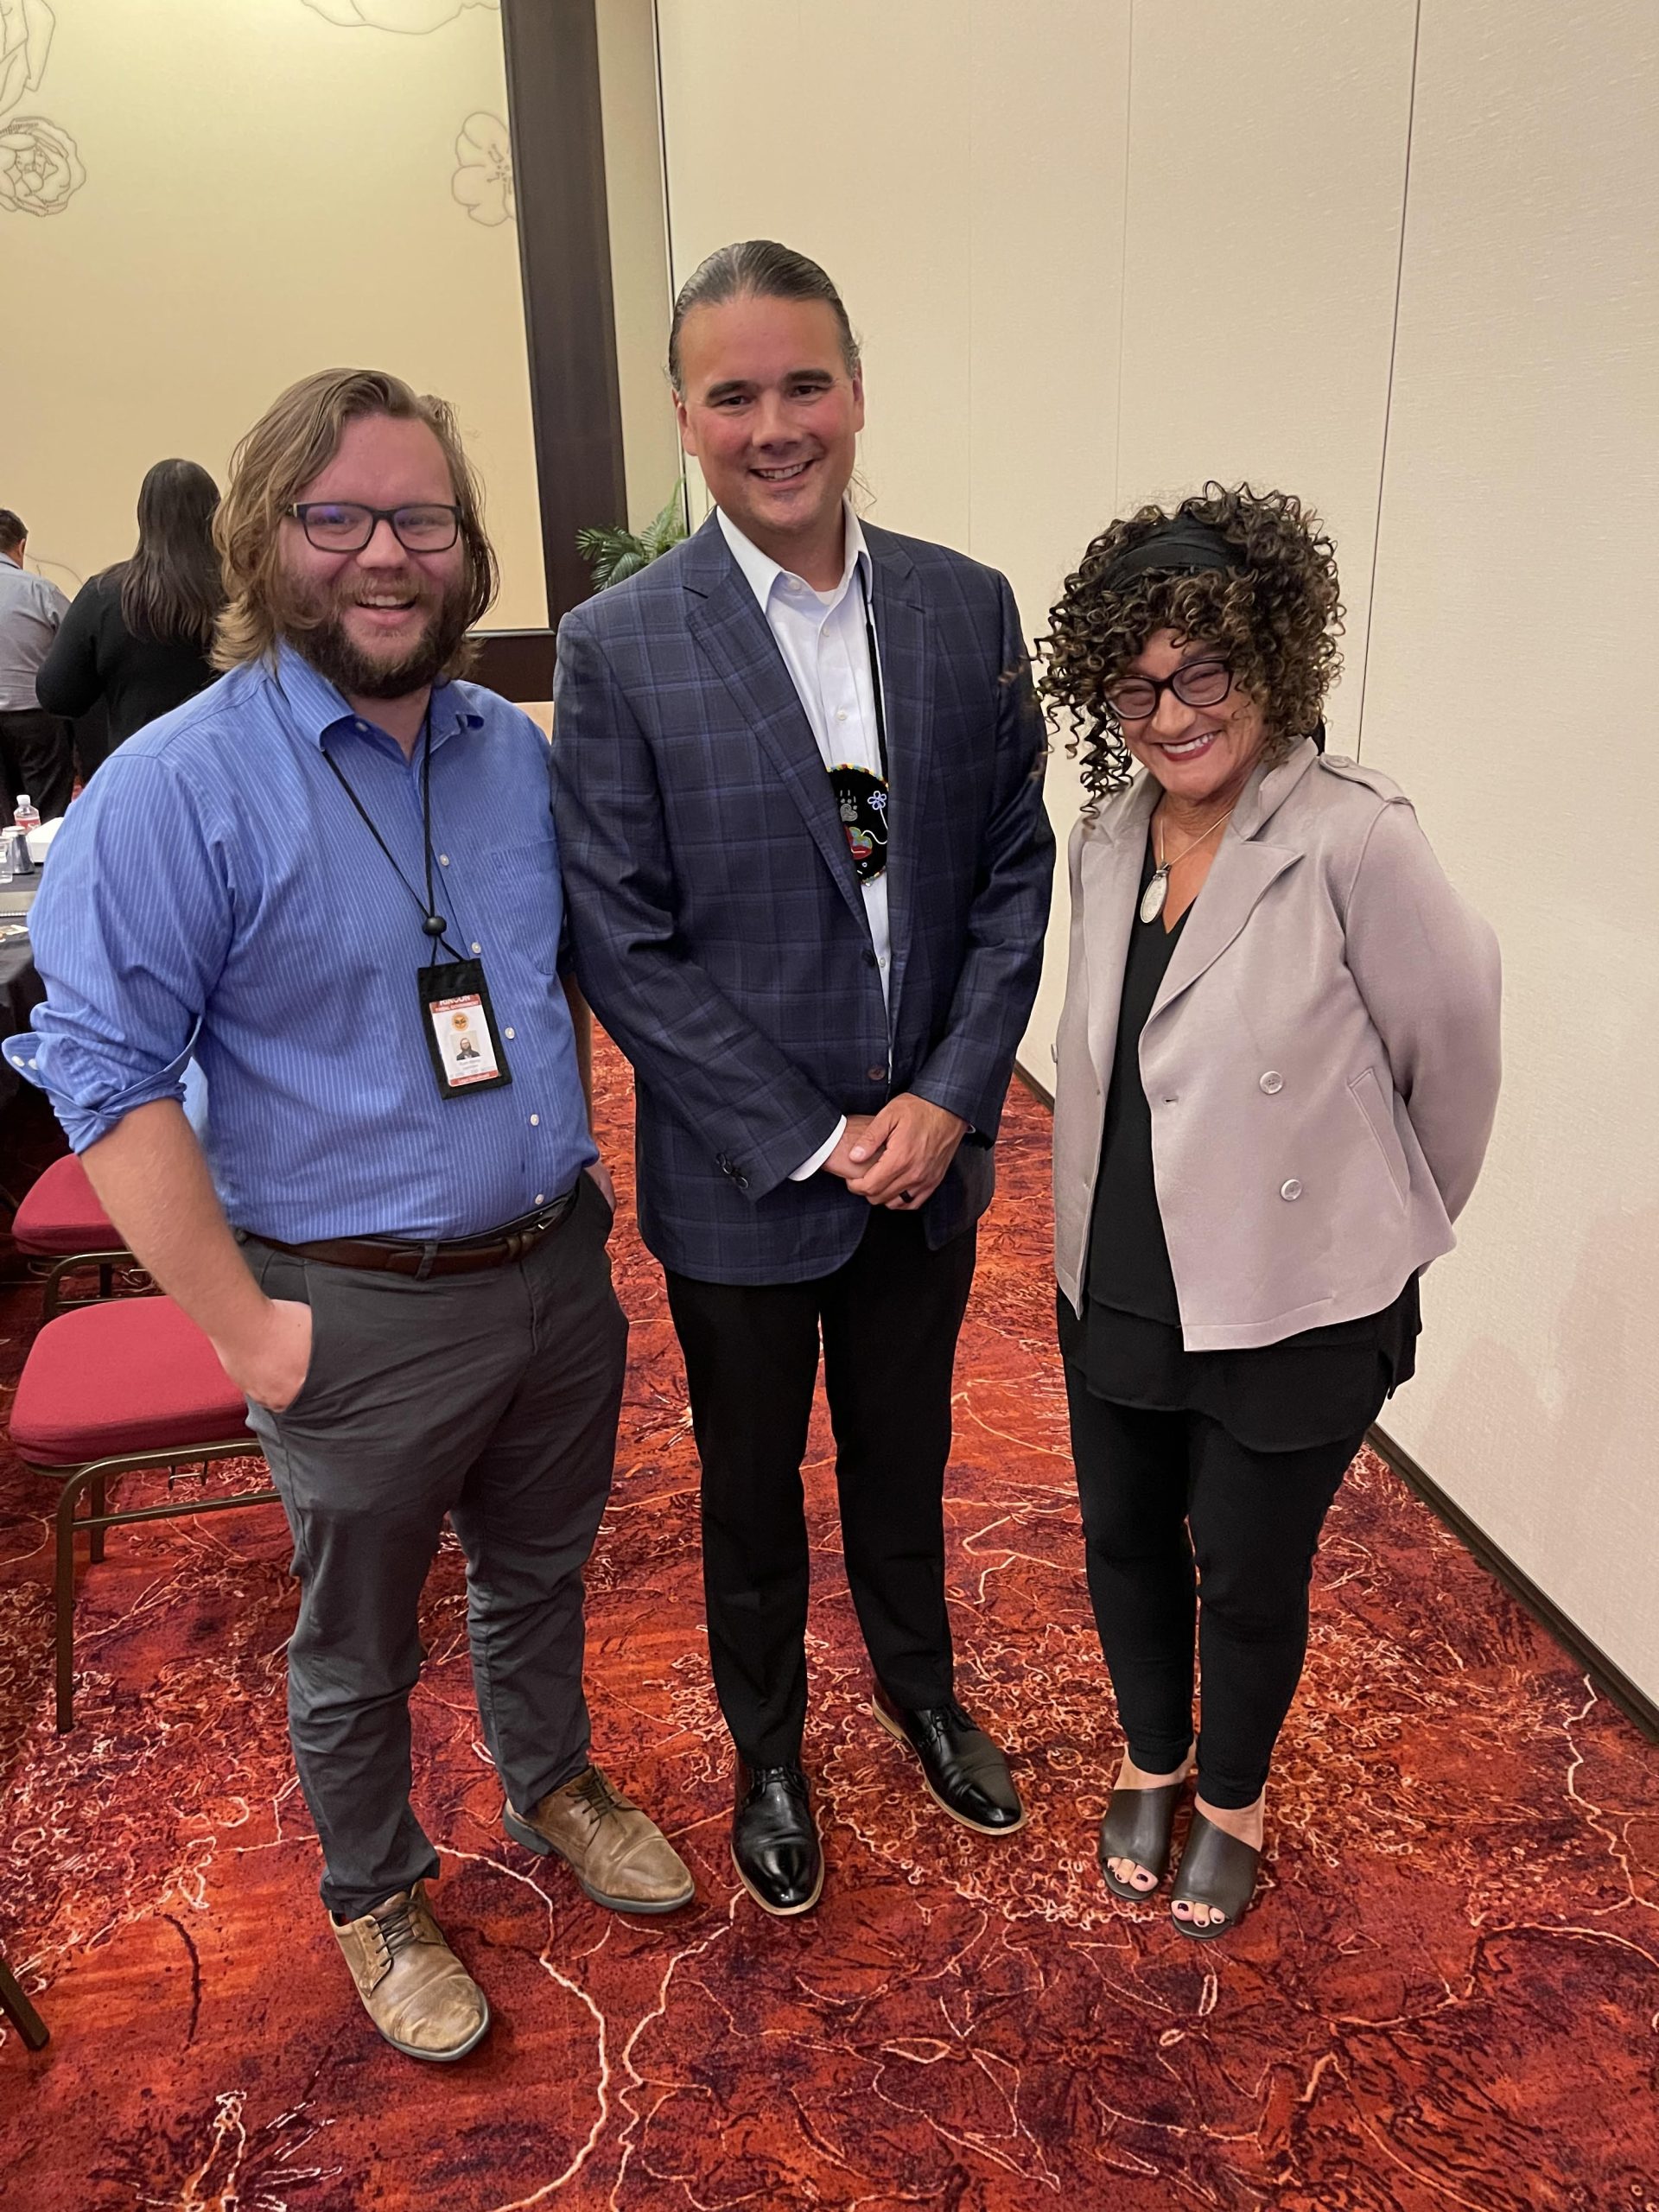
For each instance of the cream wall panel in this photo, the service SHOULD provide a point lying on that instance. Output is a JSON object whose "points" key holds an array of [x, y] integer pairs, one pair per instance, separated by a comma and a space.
{"points": [[959, 171], [1514, 622], [637, 216], [1051, 88], [267, 192], [1266, 174], [861, 164]]}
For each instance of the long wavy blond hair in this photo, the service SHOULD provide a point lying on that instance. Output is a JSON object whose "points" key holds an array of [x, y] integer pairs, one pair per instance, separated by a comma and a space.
{"points": [[295, 437]]}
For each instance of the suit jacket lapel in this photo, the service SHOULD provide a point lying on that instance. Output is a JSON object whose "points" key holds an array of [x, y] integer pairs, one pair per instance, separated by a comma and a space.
{"points": [[1110, 865], [902, 644], [1245, 866], [731, 631]]}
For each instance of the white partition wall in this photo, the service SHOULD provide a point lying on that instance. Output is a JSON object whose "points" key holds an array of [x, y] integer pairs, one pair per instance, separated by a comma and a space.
{"points": [[1512, 640], [1398, 258], [958, 167], [1266, 186]]}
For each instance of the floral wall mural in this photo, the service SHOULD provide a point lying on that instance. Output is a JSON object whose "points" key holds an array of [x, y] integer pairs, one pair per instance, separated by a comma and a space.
{"points": [[261, 187], [40, 163], [40, 168], [416, 17], [26, 29], [483, 179]]}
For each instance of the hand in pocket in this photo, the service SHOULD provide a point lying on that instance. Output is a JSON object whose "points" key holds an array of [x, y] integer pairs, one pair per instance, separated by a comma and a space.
{"points": [[272, 1368]]}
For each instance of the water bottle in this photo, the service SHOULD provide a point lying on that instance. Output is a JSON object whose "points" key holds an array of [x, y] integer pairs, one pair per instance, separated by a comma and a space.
{"points": [[27, 818]]}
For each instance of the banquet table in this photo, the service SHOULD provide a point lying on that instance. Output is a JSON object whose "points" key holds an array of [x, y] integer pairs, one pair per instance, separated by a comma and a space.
{"points": [[21, 987]]}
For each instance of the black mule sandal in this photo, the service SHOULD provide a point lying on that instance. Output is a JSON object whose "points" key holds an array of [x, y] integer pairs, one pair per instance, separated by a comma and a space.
{"points": [[1137, 1825], [1217, 1871]]}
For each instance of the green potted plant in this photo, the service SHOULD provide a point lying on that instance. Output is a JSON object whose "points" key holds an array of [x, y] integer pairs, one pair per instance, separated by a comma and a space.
{"points": [[614, 555]]}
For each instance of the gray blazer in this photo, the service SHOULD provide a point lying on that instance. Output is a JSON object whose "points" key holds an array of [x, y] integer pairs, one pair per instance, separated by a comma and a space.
{"points": [[1321, 1060]]}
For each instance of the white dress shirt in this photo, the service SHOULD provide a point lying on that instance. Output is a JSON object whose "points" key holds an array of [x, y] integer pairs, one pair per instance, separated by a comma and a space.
{"points": [[822, 637]]}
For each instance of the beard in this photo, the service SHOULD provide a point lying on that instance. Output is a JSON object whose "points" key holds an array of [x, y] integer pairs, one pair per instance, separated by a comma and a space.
{"points": [[311, 617]]}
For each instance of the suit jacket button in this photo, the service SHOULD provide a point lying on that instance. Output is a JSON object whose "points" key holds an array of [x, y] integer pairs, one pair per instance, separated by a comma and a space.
{"points": [[1290, 1190], [741, 1181], [876, 1075], [1272, 1082], [723, 1164]]}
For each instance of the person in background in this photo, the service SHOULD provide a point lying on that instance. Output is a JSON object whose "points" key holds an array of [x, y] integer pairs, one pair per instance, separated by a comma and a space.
{"points": [[36, 753], [300, 876], [140, 635], [1278, 1068], [821, 994]]}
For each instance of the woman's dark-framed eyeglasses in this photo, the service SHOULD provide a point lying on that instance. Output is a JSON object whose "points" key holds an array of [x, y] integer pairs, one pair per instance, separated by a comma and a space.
{"points": [[1200, 684], [342, 526]]}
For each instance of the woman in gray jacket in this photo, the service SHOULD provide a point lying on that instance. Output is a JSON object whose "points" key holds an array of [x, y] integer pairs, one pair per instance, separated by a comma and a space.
{"points": [[1278, 1067]]}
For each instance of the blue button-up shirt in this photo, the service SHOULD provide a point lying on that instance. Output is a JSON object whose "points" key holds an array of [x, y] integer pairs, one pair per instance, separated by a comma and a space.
{"points": [[215, 894]]}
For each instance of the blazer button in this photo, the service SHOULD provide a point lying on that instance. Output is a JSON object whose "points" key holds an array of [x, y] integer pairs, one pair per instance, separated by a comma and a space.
{"points": [[876, 1075], [1272, 1082], [1291, 1190]]}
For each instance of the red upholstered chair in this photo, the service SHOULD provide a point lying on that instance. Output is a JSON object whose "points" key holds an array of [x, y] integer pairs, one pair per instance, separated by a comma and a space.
{"points": [[61, 1220], [108, 1388]]}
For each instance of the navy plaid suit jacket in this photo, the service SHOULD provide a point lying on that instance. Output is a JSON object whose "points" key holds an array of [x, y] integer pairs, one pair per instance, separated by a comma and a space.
{"points": [[718, 928]]}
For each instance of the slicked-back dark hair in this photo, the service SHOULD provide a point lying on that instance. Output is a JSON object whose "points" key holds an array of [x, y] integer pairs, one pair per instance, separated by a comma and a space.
{"points": [[12, 531], [756, 269]]}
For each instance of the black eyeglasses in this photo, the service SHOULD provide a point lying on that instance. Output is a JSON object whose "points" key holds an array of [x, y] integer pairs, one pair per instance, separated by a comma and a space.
{"points": [[1200, 684], [342, 526]]}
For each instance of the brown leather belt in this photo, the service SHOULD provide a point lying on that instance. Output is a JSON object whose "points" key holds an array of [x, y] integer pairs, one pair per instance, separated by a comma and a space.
{"points": [[462, 1256]]}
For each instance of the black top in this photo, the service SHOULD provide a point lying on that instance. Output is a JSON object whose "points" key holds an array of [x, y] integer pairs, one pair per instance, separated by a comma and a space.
{"points": [[1320, 1387], [95, 656]]}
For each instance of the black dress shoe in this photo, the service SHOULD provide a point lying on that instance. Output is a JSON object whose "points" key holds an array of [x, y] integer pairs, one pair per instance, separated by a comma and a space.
{"points": [[775, 1847], [966, 1771]]}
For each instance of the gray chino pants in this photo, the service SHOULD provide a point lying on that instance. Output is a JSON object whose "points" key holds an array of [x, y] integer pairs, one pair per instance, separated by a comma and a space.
{"points": [[491, 1398]]}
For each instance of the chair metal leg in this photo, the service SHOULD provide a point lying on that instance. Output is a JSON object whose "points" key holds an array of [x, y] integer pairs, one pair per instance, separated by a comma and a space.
{"points": [[16, 2007], [64, 1632], [95, 1536]]}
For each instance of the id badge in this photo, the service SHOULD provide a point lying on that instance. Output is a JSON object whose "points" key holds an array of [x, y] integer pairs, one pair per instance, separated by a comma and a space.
{"points": [[461, 1032]]}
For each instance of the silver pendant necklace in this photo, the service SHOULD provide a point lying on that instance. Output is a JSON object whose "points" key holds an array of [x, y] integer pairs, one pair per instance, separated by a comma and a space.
{"points": [[1153, 898]]}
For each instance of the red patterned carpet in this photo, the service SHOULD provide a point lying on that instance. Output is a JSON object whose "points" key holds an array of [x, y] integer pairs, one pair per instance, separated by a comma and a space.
{"points": [[1447, 1999]]}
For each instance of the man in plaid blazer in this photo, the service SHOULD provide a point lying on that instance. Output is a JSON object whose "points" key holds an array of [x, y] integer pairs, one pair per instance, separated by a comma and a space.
{"points": [[822, 1023]]}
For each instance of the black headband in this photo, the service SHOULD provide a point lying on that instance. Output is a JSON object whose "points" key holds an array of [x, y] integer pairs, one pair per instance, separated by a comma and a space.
{"points": [[1181, 547]]}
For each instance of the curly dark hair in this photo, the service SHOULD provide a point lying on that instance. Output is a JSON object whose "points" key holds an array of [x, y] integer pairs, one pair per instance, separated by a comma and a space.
{"points": [[1277, 619]]}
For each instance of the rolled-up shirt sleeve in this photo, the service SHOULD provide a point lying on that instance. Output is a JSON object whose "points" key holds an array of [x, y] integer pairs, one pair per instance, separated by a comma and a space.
{"points": [[131, 930]]}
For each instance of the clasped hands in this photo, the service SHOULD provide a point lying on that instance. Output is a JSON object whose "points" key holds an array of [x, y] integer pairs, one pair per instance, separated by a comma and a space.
{"points": [[897, 1159]]}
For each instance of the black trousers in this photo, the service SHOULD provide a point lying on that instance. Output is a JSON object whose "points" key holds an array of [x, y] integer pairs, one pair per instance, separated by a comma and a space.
{"points": [[36, 756], [889, 1320], [1181, 1522]]}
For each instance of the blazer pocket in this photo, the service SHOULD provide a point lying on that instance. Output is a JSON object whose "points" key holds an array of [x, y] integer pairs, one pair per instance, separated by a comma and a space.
{"points": [[1367, 1094]]}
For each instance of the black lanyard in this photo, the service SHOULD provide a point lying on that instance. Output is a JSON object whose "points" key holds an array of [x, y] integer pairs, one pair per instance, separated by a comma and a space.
{"points": [[875, 674], [432, 922]]}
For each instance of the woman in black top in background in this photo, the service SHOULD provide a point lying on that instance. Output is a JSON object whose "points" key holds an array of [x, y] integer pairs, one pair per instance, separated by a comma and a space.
{"points": [[138, 636]]}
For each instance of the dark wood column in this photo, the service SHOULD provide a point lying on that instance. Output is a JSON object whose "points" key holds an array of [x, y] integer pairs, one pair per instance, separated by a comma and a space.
{"points": [[564, 246]]}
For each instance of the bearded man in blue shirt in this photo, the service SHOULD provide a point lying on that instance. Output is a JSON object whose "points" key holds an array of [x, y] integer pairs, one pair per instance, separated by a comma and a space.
{"points": [[300, 879]]}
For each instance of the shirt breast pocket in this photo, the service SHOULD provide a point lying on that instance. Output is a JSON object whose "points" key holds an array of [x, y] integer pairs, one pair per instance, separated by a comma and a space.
{"points": [[526, 902]]}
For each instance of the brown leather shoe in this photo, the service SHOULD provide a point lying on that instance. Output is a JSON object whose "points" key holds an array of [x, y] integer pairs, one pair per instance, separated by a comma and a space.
{"points": [[413, 1986], [620, 1855]]}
